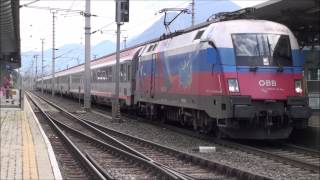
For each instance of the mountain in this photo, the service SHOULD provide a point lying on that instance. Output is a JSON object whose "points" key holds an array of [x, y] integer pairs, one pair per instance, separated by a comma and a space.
{"points": [[103, 48], [66, 56], [203, 10]]}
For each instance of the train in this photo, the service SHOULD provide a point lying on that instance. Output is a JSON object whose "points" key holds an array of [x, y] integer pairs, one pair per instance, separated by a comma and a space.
{"points": [[239, 79]]}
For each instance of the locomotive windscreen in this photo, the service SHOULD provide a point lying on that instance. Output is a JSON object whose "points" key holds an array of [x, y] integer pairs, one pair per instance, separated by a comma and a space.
{"points": [[262, 50]]}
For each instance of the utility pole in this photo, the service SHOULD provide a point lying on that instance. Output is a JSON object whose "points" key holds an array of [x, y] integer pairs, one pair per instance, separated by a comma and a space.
{"points": [[87, 74], [42, 43], [32, 76], [192, 13], [36, 59], [53, 52]]}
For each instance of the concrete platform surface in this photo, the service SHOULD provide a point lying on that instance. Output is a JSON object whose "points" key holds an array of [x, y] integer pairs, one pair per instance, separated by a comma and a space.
{"points": [[314, 120], [25, 150]]}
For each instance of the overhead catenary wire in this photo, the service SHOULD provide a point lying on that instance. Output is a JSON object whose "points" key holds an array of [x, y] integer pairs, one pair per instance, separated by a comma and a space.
{"points": [[52, 9], [153, 18], [103, 27], [70, 7], [74, 4], [27, 4]]}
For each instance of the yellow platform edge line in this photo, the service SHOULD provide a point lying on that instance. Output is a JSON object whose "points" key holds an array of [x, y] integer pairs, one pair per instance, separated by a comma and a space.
{"points": [[29, 156], [52, 158]]}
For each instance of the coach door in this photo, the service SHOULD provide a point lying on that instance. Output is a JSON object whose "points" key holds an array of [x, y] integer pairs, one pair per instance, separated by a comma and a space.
{"points": [[153, 74], [69, 82]]}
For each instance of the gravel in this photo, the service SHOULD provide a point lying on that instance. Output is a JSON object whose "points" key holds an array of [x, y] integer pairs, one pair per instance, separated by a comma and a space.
{"points": [[166, 137]]}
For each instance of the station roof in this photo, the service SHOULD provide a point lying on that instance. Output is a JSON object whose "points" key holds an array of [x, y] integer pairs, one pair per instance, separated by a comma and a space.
{"points": [[10, 33], [301, 16]]}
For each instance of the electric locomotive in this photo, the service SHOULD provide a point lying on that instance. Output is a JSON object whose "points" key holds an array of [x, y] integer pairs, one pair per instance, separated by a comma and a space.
{"points": [[237, 78], [241, 78]]}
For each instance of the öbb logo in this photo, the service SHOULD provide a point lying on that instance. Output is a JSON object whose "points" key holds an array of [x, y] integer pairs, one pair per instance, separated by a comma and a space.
{"points": [[267, 83]]}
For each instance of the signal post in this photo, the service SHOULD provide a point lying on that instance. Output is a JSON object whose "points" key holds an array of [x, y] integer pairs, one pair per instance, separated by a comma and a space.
{"points": [[122, 15]]}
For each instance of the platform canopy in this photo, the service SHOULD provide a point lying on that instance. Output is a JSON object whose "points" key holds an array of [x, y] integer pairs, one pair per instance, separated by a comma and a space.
{"points": [[10, 33], [301, 16]]}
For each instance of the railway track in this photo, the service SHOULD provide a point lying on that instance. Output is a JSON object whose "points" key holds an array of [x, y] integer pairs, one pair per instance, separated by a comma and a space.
{"points": [[296, 156], [110, 161], [177, 164], [74, 164]]}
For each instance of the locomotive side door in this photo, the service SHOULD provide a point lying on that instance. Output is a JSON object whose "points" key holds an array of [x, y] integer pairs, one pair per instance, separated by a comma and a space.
{"points": [[153, 74]]}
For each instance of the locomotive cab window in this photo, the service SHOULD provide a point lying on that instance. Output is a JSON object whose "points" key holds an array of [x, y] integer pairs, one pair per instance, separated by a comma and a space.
{"points": [[198, 35], [262, 50], [154, 47], [150, 48]]}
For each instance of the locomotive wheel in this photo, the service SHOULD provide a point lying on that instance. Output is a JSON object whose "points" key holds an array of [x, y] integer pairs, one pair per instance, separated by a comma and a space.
{"points": [[206, 129], [219, 134], [206, 123], [194, 124], [163, 119], [183, 120]]}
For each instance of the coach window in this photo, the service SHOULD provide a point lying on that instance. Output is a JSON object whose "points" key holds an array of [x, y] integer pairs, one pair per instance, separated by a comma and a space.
{"points": [[98, 75], [101, 75], [129, 72], [109, 74], [104, 75], [123, 74]]}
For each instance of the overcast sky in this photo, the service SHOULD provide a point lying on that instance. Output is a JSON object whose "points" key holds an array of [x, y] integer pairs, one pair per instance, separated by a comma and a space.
{"points": [[37, 23]]}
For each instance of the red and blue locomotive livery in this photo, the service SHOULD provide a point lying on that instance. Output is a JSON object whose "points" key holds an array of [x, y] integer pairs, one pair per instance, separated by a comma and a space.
{"points": [[241, 78], [237, 78]]}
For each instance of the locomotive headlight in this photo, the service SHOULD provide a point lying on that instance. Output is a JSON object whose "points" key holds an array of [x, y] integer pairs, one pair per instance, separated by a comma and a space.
{"points": [[233, 85], [298, 86]]}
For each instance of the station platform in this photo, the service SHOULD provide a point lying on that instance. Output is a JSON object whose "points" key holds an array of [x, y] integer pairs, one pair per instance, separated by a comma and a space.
{"points": [[314, 120], [310, 136], [26, 152]]}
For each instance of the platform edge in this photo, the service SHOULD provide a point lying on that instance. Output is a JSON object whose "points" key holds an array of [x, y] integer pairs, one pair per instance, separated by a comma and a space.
{"points": [[52, 157]]}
